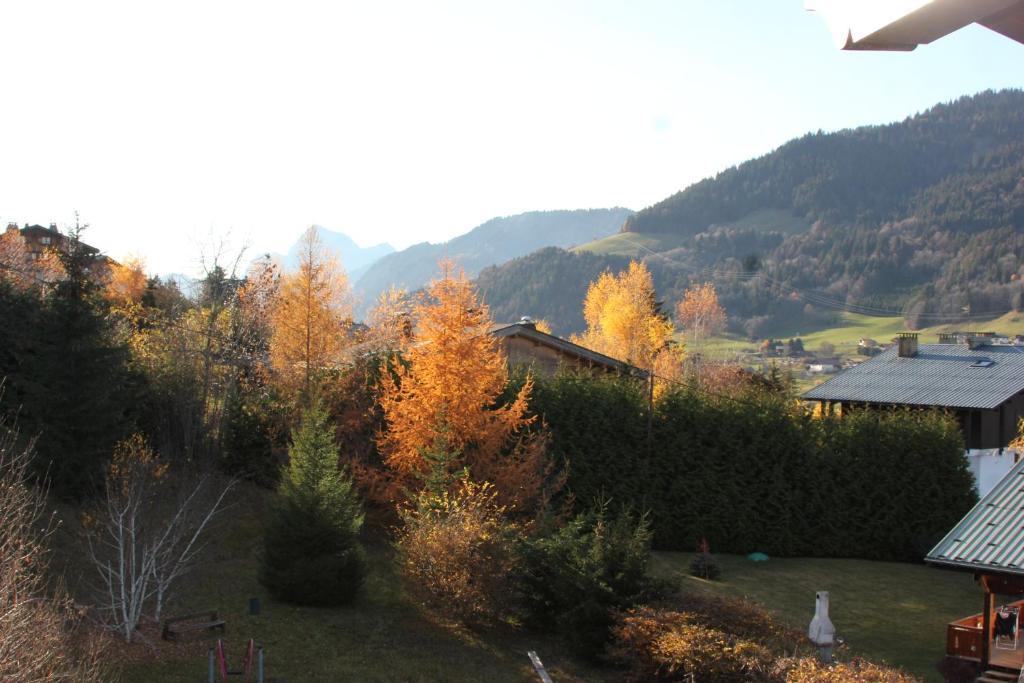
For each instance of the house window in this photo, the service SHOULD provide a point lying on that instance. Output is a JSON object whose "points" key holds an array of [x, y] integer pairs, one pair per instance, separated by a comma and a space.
{"points": [[44, 240]]}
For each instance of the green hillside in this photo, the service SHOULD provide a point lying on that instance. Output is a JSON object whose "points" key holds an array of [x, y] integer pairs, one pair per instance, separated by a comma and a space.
{"points": [[853, 327], [922, 219]]}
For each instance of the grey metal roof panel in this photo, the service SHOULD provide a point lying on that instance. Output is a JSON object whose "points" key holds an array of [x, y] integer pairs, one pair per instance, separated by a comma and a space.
{"points": [[991, 536], [939, 375], [564, 345]]}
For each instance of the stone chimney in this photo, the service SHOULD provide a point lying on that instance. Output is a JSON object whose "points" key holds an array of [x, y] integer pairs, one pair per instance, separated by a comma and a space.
{"points": [[906, 344], [527, 321]]}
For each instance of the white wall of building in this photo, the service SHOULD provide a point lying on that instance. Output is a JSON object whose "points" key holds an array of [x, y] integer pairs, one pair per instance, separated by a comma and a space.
{"points": [[988, 465]]}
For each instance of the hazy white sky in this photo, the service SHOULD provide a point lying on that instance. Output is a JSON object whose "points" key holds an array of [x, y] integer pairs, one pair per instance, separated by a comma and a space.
{"points": [[411, 121]]}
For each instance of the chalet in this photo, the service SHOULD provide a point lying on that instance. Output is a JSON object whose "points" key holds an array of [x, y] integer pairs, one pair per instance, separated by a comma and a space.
{"points": [[981, 382], [524, 344], [38, 240], [989, 542]]}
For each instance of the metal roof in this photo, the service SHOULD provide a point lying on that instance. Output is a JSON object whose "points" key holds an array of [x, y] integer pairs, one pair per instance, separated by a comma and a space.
{"points": [[563, 345], [991, 536], [947, 375]]}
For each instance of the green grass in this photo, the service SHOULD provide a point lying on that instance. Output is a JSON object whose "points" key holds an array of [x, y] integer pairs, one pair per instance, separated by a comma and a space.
{"points": [[885, 612], [384, 636], [632, 244], [853, 327]]}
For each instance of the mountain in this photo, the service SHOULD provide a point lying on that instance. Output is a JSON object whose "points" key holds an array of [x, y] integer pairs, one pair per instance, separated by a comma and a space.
{"points": [[923, 217], [493, 242], [355, 259]]}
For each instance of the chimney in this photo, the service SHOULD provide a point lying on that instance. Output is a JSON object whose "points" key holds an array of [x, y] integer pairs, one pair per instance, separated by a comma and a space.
{"points": [[527, 321], [12, 227], [53, 227], [906, 344]]}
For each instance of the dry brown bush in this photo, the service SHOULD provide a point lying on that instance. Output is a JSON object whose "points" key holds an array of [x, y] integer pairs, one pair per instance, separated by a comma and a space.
{"points": [[42, 637], [808, 670], [663, 645], [455, 551]]}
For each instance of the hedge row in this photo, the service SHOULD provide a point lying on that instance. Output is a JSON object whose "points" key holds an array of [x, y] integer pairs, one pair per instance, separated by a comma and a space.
{"points": [[757, 472]]}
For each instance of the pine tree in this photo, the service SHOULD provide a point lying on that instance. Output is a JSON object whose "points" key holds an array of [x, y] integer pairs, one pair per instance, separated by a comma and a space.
{"points": [[80, 397], [311, 550]]}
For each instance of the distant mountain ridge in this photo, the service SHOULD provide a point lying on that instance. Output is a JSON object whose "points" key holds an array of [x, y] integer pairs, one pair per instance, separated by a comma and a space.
{"points": [[494, 242], [354, 259], [923, 217]]}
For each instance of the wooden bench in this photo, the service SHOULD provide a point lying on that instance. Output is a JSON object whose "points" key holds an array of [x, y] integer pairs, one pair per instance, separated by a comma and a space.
{"points": [[201, 621]]}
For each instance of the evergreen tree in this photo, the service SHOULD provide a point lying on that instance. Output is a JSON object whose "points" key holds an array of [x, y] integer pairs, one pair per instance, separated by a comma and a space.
{"points": [[311, 550], [81, 390]]}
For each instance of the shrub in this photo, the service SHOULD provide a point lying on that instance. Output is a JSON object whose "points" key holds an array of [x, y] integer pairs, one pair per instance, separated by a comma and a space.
{"points": [[809, 670], [704, 564], [576, 576], [667, 645], [734, 616], [457, 552], [248, 450], [311, 550], [38, 628]]}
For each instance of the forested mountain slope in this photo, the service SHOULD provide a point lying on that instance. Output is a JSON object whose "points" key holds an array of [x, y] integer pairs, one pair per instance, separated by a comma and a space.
{"points": [[924, 217]]}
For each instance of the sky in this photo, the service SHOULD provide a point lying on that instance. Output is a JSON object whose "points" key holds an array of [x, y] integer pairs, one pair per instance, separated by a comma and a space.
{"points": [[170, 127]]}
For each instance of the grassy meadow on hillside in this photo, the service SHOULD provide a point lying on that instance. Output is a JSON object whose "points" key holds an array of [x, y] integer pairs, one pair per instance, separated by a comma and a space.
{"points": [[854, 326]]}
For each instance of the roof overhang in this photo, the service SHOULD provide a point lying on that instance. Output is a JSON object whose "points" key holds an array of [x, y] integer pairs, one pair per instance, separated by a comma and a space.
{"points": [[904, 24]]}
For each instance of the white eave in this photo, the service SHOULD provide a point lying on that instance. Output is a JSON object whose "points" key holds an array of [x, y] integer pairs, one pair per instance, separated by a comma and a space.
{"points": [[905, 24]]}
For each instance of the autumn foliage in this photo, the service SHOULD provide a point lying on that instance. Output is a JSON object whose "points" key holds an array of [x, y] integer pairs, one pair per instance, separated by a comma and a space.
{"points": [[447, 387], [127, 282], [311, 306], [623, 321], [456, 552], [699, 312]]}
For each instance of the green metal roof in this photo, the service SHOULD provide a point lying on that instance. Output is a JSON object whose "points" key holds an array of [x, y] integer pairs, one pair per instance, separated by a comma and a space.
{"points": [[991, 536]]}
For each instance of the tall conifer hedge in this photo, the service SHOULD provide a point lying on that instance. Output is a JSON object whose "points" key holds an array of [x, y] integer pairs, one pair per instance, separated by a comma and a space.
{"points": [[757, 472]]}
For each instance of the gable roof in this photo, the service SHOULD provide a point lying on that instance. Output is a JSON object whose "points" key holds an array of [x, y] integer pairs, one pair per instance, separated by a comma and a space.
{"points": [[946, 375], [991, 536], [563, 346]]}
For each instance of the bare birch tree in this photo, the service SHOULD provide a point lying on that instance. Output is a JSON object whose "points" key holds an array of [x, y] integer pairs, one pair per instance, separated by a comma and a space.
{"points": [[144, 537]]}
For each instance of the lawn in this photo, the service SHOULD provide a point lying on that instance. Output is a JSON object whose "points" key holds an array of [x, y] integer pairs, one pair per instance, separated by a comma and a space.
{"points": [[884, 611], [896, 613], [382, 637]]}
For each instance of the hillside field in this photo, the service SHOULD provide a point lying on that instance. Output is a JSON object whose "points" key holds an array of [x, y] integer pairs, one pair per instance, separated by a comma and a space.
{"points": [[854, 327]]}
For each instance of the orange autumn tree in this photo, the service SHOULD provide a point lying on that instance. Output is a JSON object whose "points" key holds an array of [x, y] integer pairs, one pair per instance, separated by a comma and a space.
{"points": [[127, 282], [699, 312], [308, 315], [443, 394], [623, 321]]}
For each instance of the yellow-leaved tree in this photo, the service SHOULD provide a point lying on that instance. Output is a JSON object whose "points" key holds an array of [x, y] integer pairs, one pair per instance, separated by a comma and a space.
{"points": [[699, 312], [439, 403], [307, 326], [127, 282], [624, 322], [390, 321]]}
